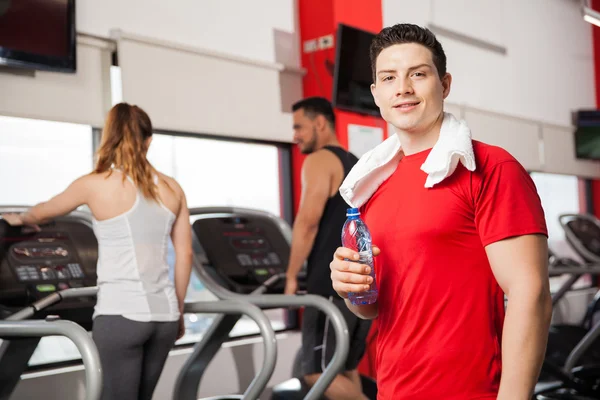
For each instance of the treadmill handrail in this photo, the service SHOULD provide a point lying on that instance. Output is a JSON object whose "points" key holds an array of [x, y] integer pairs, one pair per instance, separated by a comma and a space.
{"points": [[52, 299], [78, 335], [581, 347], [260, 381], [592, 269], [340, 327], [342, 342], [84, 217]]}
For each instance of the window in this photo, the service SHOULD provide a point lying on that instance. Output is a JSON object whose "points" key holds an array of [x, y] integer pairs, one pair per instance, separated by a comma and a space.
{"points": [[559, 195], [220, 173], [39, 159]]}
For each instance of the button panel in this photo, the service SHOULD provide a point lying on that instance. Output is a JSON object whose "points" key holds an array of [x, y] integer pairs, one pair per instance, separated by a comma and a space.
{"points": [[31, 273]]}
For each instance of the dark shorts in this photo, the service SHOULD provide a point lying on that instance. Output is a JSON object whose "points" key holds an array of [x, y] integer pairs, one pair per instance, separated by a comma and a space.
{"points": [[318, 338]]}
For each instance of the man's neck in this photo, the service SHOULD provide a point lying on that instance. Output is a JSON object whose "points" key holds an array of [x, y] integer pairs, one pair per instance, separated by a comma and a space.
{"points": [[415, 142]]}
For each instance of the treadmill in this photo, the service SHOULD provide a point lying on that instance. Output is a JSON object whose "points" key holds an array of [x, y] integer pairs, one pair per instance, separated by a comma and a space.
{"points": [[47, 276], [579, 374], [242, 254], [47, 287], [34, 265]]}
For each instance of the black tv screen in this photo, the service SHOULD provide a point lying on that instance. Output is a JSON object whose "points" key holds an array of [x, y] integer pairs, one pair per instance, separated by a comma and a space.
{"points": [[38, 34], [587, 134], [352, 77]]}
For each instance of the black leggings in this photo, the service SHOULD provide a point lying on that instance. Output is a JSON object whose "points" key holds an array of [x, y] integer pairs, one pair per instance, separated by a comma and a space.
{"points": [[132, 355]]}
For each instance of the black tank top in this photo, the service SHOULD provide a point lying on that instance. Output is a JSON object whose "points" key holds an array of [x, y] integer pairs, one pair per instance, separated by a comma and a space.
{"points": [[329, 236]]}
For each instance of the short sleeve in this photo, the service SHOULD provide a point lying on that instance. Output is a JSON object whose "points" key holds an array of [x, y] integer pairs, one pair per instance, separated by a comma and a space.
{"points": [[507, 204]]}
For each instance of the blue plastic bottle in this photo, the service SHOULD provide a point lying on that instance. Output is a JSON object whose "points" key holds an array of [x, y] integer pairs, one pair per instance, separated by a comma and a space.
{"points": [[356, 236]]}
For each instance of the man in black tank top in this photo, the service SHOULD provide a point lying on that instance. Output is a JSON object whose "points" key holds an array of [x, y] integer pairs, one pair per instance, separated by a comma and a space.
{"points": [[316, 235]]}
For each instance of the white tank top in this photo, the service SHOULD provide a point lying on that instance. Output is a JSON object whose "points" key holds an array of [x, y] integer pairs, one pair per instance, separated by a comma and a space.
{"points": [[133, 274]]}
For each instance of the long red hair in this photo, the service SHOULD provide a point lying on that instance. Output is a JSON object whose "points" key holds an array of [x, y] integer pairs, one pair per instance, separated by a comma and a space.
{"points": [[124, 147]]}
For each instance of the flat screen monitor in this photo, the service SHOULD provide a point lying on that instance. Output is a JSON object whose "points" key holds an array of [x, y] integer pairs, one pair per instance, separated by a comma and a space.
{"points": [[352, 73], [38, 34], [587, 134]]}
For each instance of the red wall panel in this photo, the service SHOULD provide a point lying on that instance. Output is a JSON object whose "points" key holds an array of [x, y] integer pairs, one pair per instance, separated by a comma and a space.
{"points": [[596, 43], [319, 18]]}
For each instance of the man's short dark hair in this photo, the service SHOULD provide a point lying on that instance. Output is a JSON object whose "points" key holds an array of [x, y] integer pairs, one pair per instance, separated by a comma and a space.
{"points": [[408, 33], [314, 106]]}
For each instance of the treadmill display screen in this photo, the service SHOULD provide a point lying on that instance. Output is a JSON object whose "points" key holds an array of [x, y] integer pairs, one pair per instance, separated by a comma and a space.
{"points": [[24, 253], [245, 250], [252, 249]]}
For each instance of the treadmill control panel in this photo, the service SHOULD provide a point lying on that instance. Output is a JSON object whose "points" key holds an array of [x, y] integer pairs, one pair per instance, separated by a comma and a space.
{"points": [[34, 264], [245, 250], [48, 273], [45, 259], [253, 251]]}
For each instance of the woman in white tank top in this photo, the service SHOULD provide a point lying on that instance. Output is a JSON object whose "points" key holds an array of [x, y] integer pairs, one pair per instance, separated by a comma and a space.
{"points": [[138, 315]]}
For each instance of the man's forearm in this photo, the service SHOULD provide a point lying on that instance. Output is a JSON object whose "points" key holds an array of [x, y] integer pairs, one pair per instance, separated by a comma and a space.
{"points": [[303, 238], [524, 342]]}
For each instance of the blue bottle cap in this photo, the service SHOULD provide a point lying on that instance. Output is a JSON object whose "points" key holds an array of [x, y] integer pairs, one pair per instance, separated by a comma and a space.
{"points": [[352, 212]]}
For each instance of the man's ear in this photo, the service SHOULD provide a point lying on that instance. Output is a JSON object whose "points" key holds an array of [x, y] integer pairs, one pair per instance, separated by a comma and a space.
{"points": [[373, 93], [320, 122], [446, 84]]}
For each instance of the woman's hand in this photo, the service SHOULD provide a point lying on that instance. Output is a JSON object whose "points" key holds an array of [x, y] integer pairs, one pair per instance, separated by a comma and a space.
{"points": [[14, 219]]}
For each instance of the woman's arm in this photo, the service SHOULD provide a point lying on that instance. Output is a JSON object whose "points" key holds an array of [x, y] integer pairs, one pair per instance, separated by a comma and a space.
{"points": [[181, 236], [75, 195]]}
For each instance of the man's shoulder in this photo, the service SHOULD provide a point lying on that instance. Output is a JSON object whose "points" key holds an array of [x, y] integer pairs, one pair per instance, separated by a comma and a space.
{"points": [[315, 159], [326, 158], [488, 156], [336, 151]]}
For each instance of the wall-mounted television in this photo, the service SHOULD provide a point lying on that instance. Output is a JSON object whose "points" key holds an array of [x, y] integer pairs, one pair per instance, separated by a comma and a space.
{"points": [[38, 34], [587, 134], [352, 76]]}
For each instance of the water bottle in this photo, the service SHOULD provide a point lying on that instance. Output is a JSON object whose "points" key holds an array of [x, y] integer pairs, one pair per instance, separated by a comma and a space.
{"points": [[356, 236]]}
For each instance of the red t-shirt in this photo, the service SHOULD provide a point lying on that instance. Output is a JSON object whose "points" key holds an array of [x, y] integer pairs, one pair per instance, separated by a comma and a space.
{"points": [[441, 310]]}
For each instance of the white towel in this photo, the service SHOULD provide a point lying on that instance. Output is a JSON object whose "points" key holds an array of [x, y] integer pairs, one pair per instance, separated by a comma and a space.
{"points": [[373, 168]]}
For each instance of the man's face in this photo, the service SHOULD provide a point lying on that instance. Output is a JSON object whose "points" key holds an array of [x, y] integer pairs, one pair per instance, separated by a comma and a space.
{"points": [[305, 132], [407, 88]]}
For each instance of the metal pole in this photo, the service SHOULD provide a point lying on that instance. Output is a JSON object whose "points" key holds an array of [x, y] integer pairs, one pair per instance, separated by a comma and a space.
{"points": [[52, 299], [342, 341], [260, 381], [583, 346], [81, 339]]}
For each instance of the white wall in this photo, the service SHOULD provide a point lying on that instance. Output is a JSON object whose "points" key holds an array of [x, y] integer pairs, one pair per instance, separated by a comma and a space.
{"points": [[547, 70], [182, 61], [239, 27]]}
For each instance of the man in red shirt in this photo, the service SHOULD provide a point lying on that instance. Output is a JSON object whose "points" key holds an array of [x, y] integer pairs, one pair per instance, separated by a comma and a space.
{"points": [[447, 255]]}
